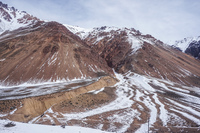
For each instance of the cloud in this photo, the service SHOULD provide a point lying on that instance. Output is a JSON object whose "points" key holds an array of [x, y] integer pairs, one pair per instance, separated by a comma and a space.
{"points": [[166, 20]]}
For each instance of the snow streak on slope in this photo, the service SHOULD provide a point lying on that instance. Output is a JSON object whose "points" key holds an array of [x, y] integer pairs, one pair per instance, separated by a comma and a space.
{"points": [[167, 105]]}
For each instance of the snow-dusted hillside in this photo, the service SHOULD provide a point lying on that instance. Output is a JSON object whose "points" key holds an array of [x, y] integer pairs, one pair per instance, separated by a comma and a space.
{"points": [[11, 18], [134, 37]]}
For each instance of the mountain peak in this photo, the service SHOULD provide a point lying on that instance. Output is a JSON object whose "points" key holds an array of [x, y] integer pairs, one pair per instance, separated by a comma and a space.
{"points": [[184, 43], [12, 18], [3, 5]]}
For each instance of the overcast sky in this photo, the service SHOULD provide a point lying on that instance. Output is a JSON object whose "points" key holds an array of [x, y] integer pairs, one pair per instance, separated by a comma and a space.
{"points": [[164, 19]]}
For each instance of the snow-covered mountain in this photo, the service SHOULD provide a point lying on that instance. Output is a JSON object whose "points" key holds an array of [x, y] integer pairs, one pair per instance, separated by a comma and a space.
{"points": [[101, 38], [11, 18], [184, 44], [194, 49], [189, 45]]}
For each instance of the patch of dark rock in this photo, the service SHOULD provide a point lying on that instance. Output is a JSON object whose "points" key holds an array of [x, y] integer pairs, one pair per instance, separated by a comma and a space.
{"points": [[103, 28], [10, 124], [155, 87], [42, 115], [100, 74], [54, 49], [77, 56], [194, 94], [34, 50], [150, 65], [26, 116], [172, 94], [12, 108], [47, 49], [76, 49], [63, 126], [193, 49]]}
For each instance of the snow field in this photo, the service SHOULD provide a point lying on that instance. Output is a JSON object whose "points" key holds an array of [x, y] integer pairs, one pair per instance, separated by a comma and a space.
{"points": [[36, 128]]}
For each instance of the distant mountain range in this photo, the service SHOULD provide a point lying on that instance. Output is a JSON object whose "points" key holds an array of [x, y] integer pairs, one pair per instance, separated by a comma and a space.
{"points": [[189, 45]]}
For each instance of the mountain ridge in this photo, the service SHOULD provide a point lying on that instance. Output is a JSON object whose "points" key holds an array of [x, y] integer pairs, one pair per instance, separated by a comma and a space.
{"points": [[12, 18], [107, 78], [45, 50], [129, 50]]}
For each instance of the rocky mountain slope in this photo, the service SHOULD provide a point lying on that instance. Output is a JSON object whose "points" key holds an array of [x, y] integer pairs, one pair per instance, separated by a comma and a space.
{"points": [[47, 52], [129, 50], [38, 51], [190, 45], [156, 88]]}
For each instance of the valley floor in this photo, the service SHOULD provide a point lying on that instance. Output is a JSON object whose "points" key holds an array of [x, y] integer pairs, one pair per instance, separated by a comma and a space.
{"points": [[136, 103]]}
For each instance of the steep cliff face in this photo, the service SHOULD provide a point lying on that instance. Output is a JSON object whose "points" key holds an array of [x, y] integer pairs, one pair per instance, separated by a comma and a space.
{"points": [[47, 52]]}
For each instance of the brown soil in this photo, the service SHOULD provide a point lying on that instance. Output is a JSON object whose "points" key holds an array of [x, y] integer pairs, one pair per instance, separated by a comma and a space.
{"points": [[86, 101], [81, 103], [47, 51], [35, 106]]}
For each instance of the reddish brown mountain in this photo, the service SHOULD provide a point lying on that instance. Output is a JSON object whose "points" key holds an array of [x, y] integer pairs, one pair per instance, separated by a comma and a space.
{"points": [[129, 50], [47, 51], [158, 88]]}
